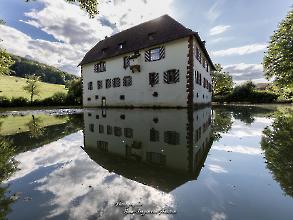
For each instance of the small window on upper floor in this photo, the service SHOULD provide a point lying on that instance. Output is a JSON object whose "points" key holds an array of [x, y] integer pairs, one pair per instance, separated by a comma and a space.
{"points": [[153, 78], [151, 36], [108, 83], [171, 76], [116, 82], [99, 84], [197, 53], [100, 67], [121, 45], [90, 86], [208, 67], [155, 54], [126, 62], [127, 81]]}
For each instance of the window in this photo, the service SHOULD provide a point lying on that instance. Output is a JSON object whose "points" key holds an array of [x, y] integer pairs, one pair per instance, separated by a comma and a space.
{"points": [[154, 135], [121, 45], [126, 62], [101, 129], [99, 84], [96, 97], [171, 137], [92, 127], [153, 78], [108, 83], [204, 82], [90, 86], [122, 97], [117, 131], [197, 53], [151, 36], [89, 99], [128, 132], [203, 63], [127, 81], [156, 158], [207, 67], [171, 76], [100, 67], [200, 79], [155, 54], [102, 145], [109, 130], [199, 59], [155, 94], [116, 82]]}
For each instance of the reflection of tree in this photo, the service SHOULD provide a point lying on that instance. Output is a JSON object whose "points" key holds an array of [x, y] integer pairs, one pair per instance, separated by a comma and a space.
{"points": [[277, 143], [7, 167], [35, 128], [222, 122]]}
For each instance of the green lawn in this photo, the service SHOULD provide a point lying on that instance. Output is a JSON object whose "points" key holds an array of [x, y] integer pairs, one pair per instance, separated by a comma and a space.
{"points": [[11, 86], [17, 124]]}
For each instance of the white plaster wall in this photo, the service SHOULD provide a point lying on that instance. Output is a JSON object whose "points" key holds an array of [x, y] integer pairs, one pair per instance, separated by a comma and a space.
{"points": [[141, 121], [204, 96], [140, 93]]}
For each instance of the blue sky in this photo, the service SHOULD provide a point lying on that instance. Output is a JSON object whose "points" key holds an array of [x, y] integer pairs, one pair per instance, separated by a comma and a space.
{"points": [[57, 33]]}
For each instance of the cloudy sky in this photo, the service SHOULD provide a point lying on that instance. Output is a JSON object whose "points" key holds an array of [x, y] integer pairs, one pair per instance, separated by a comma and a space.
{"points": [[59, 34]]}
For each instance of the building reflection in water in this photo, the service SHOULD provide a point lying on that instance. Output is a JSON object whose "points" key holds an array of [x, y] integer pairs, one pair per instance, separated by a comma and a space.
{"points": [[160, 148]]}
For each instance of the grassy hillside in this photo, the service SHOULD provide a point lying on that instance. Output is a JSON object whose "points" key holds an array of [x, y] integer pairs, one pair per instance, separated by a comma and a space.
{"points": [[50, 74], [11, 86]]}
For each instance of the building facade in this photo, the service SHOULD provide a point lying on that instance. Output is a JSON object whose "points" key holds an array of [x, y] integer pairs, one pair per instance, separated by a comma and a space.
{"points": [[169, 143], [166, 65]]}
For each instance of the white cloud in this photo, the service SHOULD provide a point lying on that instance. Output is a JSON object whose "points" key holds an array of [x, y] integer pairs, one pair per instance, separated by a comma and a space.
{"points": [[239, 149], [214, 12], [219, 29], [217, 168], [74, 31], [245, 71], [247, 49]]}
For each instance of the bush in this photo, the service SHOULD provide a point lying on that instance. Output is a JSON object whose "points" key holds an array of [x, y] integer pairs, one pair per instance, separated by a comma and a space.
{"points": [[19, 101]]}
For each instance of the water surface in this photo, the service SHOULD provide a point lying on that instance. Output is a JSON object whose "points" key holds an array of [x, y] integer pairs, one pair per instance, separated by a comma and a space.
{"points": [[214, 163]]}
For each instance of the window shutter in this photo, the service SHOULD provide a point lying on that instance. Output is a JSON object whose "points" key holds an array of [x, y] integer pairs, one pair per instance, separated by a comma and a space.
{"points": [[147, 56], [162, 52]]}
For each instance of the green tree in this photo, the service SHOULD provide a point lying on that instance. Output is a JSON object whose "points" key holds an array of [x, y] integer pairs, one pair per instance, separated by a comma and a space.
{"points": [[5, 62], [222, 122], [5, 59], [90, 6], [277, 144], [32, 86], [35, 127], [74, 94], [278, 59], [221, 81]]}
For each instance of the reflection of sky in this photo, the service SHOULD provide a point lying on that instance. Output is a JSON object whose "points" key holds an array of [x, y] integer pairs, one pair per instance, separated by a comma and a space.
{"points": [[68, 183], [234, 183], [65, 183]]}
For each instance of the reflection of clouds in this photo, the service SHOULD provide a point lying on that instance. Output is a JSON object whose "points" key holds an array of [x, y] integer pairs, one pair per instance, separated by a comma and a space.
{"points": [[82, 189], [217, 168], [239, 149], [239, 129], [218, 216]]}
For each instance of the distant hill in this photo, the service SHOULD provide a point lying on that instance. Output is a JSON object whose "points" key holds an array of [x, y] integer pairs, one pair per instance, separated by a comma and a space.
{"points": [[49, 74]]}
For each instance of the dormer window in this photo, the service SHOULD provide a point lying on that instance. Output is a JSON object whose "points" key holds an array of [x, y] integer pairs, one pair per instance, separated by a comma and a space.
{"points": [[121, 45], [100, 67], [104, 50], [151, 36]]}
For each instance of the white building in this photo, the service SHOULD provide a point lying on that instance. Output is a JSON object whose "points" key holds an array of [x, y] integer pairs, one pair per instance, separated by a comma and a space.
{"points": [[167, 151], [159, 63]]}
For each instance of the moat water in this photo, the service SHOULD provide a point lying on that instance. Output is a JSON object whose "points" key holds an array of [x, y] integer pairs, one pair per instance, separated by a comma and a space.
{"points": [[216, 163]]}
